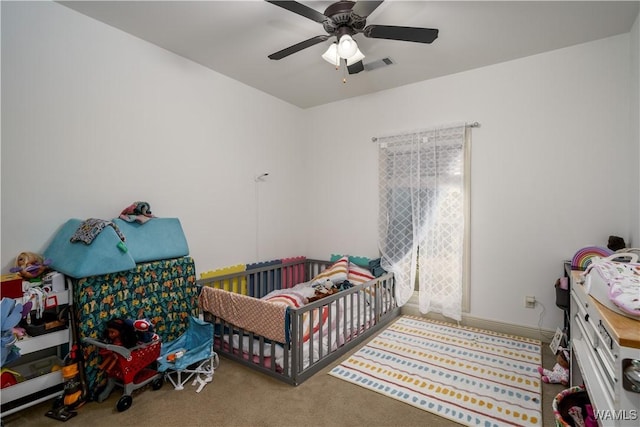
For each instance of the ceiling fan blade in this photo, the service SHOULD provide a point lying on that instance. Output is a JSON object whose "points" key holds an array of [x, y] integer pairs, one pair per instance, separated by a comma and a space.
{"points": [[298, 47], [300, 9], [364, 8], [409, 34], [355, 68]]}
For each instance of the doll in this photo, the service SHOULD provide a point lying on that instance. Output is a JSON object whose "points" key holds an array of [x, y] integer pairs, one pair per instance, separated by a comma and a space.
{"points": [[560, 372], [30, 265], [118, 332], [121, 332]]}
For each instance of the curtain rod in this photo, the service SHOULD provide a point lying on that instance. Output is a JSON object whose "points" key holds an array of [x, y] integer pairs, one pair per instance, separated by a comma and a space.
{"points": [[469, 125]]}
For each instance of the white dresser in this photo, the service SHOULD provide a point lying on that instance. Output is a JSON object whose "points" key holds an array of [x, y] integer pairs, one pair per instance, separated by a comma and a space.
{"points": [[603, 345]]}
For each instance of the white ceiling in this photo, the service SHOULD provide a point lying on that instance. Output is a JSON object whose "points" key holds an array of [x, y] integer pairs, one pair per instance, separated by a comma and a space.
{"points": [[235, 37]]}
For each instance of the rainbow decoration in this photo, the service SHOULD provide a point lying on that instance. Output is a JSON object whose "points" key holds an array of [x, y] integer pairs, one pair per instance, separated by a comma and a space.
{"points": [[584, 256]]}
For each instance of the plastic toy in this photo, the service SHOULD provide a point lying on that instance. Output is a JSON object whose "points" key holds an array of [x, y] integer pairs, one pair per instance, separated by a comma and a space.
{"points": [[119, 332], [127, 360], [9, 377], [75, 393]]}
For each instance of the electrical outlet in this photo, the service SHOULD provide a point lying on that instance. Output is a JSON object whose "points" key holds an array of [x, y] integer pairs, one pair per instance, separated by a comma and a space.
{"points": [[530, 302]]}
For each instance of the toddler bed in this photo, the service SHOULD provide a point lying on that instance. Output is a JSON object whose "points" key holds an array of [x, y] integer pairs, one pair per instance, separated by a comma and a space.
{"points": [[291, 318]]}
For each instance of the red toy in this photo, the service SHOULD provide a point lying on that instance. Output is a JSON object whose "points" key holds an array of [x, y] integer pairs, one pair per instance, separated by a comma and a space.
{"points": [[127, 361]]}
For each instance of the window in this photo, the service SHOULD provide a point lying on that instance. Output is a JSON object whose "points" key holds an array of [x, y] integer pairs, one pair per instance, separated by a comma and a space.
{"points": [[424, 216]]}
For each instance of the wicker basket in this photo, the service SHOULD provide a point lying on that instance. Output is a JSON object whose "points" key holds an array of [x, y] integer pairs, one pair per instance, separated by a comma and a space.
{"points": [[574, 396]]}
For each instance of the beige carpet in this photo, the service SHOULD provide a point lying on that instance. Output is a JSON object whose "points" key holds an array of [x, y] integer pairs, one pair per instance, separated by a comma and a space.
{"points": [[239, 396]]}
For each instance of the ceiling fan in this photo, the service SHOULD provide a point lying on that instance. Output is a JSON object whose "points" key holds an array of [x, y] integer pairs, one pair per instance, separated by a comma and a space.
{"points": [[344, 19]]}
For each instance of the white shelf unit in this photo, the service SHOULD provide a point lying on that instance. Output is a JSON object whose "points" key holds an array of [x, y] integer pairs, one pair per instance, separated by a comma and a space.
{"points": [[34, 390]]}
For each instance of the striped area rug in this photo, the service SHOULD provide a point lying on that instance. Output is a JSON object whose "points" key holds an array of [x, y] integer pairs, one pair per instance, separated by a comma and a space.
{"points": [[471, 376]]}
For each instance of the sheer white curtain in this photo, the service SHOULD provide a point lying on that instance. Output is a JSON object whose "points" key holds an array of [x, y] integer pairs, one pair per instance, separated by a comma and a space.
{"points": [[422, 215]]}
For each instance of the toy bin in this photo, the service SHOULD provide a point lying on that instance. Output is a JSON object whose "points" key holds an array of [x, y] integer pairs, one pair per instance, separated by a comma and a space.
{"points": [[32, 377], [568, 402], [39, 367]]}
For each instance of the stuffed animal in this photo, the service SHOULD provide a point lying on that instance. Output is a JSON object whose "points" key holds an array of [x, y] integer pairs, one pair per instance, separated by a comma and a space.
{"points": [[323, 290], [30, 265], [144, 330], [560, 372]]}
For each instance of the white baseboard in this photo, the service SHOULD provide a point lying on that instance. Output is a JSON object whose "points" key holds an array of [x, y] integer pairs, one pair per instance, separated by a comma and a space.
{"points": [[476, 322]]}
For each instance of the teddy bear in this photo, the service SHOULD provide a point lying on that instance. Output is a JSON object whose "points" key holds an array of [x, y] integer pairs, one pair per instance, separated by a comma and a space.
{"points": [[560, 372]]}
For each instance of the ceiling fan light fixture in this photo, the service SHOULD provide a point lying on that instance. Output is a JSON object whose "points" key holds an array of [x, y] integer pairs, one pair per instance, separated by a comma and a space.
{"points": [[331, 55], [347, 46], [356, 57]]}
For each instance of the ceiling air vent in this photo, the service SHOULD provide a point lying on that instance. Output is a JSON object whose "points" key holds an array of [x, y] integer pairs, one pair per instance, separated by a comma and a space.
{"points": [[377, 64]]}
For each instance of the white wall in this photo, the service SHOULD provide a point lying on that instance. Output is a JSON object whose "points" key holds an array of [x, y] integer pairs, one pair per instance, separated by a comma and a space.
{"points": [[94, 119], [550, 168], [634, 114]]}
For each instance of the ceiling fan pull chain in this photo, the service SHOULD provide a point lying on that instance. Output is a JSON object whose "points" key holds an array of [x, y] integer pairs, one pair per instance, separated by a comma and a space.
{"points": [[344, 72]]}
